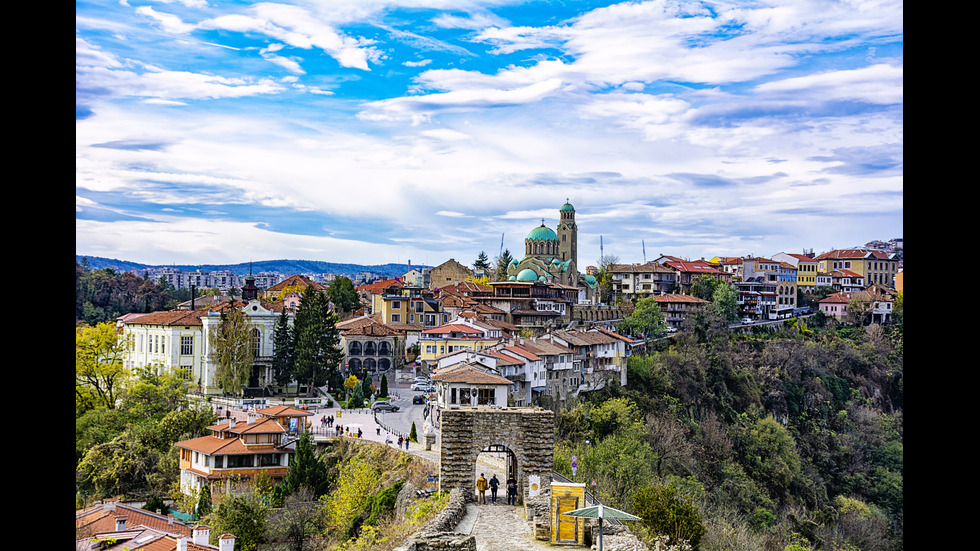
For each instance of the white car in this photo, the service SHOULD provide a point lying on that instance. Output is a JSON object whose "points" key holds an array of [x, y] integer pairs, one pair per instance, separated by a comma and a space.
{"points": [[424, 387]]}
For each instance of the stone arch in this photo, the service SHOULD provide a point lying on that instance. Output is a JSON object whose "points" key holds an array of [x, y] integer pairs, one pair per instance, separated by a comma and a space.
{"points": [[526, 433]]}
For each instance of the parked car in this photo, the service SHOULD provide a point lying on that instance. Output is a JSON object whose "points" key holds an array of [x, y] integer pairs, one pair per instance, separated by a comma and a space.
{"points": [[384, 406], [746, 320], [421, 380], [418, 399], [424, 387]]}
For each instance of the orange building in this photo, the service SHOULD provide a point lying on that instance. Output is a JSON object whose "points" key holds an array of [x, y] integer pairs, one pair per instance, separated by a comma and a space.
{"points": [[237, 450]]}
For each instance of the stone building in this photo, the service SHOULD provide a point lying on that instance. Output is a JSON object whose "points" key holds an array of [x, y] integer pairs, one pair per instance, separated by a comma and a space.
{"points": [[449, 273]]}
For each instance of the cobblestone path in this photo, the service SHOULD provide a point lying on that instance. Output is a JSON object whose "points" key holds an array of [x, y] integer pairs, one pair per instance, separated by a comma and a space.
{"points": [[504, 528]]}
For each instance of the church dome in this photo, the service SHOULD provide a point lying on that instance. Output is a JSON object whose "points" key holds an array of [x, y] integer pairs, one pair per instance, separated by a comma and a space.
{"points": [[543, 233], [527, 274], [567, 207]]}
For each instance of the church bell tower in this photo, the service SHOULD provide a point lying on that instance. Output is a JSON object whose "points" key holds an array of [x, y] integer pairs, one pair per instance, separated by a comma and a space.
{"points": [[568, 235]]}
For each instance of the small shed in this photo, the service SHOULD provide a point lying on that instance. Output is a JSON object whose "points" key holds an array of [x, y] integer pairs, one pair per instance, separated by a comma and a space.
{"points": [[565, 497]]}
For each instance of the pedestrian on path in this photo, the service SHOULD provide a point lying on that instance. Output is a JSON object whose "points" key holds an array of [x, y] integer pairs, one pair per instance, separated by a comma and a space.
{"points": [[400, 439], [406, 442], [493, 488], [511, 491], [378, 427], [481, 486]]}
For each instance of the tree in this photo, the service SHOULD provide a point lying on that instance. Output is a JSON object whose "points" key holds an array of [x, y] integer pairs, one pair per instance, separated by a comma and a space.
{"points": [[646, 320], [501, 262], [604, 277], [307, 470], [704, 287], [665, 511], [482, 263], [317, 353], [724, 301], [343, 295], [384, 386], [203, 508], [412, 434], [231, 350], [283, 351], [242, 515], [99, 370]]}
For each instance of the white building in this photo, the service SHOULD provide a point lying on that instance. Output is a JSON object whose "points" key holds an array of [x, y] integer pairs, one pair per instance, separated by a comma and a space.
{"points": [[177, 341]]}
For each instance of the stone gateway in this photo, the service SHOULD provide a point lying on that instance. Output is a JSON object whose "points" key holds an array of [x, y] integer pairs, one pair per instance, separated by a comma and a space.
{"points": [[527, 434]]}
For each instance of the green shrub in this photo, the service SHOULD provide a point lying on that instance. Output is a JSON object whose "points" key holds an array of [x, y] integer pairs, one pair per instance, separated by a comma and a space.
{"points": [[664, 511]]}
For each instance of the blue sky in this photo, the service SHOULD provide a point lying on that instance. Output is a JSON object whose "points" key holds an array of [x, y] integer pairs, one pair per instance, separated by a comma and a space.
{"points": [[375, 131]]}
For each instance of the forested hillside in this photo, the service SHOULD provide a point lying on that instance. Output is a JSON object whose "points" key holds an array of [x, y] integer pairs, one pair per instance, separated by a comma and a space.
{"points": [[788, 440]]}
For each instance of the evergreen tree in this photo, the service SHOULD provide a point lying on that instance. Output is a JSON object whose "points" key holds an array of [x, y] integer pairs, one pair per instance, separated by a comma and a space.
{"points": [[383, 392], [317, 354], [283, 348], [502, 261], [482, 263], [203, 508], [307, 469], [412, 435]]}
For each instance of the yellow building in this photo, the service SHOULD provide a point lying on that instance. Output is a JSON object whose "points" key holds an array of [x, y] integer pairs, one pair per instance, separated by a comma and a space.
{"points": [[457, 335], [877, 267]]}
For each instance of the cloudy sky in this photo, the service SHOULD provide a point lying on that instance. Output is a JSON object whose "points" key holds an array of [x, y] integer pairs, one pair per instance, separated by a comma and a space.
{"points": [[375, 131]]}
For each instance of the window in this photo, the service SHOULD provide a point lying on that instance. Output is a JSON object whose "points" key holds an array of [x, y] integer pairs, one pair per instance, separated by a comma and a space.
{"points": [[186, 346], [430, 349], [238, 461], [256, 343], [369, 348], [396, 318], [270, 460], [354, 349]]}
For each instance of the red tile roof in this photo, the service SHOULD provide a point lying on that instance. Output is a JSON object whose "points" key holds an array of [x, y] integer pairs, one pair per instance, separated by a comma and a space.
{"points": [[102, 518]]}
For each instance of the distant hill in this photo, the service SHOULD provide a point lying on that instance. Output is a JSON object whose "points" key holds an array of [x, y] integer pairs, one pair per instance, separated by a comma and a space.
{"points": [[288, 267]]}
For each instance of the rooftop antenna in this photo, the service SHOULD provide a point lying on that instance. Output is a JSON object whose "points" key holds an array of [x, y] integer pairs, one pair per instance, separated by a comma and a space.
{"points": [[601, 254]]}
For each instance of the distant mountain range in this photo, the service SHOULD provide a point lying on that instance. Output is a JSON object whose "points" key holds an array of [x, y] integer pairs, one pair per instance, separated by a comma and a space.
{"points": [[288, 267]]}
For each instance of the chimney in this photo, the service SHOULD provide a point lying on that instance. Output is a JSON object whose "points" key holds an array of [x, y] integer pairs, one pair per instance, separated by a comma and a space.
{"points": [[121, 522], [182, 543], [250, 418], [109, 505], [226, 542], [193, 288], [200, 535], [231, 423]]}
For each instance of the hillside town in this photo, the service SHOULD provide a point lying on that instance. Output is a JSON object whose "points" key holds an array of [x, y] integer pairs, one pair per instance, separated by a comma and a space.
{"points": [[545, 325], [541, 334]]}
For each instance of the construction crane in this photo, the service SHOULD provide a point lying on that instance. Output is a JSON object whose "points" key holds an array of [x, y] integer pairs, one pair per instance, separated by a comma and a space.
{"points": [[644, 251]]}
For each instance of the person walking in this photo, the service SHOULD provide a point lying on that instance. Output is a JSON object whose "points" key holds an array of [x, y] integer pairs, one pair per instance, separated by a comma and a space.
{"points": [[481, 486], [493, 488], [511, 491], [406, 442], [400, 439], [378, 427]]}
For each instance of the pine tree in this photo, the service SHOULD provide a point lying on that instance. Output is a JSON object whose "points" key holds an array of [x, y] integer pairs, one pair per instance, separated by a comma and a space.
{"points": [[412, 435], [282, 354], [384, 386], [307, 469], [482, 263], [317, 355], [204, 502]]}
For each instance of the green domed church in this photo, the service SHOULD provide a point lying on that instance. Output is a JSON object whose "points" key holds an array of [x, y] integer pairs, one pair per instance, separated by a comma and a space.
{"points": [[551, 256]]}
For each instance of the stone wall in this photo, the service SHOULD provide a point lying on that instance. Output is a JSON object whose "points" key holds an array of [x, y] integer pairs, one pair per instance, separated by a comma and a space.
{"points": [[527, 432], [440, 532]]}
